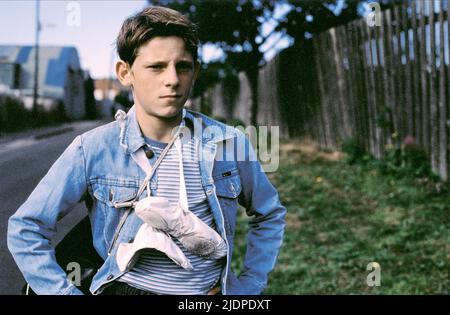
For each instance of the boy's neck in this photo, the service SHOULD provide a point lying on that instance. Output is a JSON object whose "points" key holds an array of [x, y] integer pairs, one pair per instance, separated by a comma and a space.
{"points": [[159, 129]]}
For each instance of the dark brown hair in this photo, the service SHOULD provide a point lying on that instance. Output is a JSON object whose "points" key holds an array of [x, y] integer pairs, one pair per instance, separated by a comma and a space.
{"points": [[151, 22]]}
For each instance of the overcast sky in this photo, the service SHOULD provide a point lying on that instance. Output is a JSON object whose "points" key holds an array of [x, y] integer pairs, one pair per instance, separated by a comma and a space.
{"points": [[93, 32], [99, 24]]}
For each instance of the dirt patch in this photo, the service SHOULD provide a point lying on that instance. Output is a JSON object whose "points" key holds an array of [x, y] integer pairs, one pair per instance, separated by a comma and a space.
{"points": [[292, 221], [304, 150]]}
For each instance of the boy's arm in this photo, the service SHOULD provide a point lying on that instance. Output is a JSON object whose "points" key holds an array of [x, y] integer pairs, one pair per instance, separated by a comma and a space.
{"points": [[266, 227], [33, 225]]}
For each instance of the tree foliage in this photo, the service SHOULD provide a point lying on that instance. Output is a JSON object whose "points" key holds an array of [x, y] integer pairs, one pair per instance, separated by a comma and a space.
{"points": [[236, 26]]}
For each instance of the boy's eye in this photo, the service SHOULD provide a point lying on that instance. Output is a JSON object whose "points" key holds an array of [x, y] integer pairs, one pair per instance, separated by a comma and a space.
{"points": [[184, 66], [179, 67], [156, 67]]}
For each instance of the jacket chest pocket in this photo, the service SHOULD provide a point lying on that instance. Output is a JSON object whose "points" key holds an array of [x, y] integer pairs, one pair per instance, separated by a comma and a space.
{"points": [[106, 193], [228, 188]]}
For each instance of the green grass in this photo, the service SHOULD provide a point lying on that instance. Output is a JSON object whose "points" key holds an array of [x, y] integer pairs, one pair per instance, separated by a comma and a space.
{"points": [[342, 217]]}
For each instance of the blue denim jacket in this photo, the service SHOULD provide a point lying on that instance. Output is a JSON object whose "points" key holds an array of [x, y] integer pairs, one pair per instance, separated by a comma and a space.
{"points": [[98, 166]]}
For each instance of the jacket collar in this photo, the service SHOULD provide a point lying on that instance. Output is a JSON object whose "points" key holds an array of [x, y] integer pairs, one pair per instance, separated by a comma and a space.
{"points": [[132, 139], [216, 132], [131, 135]]}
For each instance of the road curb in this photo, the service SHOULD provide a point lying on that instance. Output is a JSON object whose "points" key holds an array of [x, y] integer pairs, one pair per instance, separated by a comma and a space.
{"points": [[53, 133]]}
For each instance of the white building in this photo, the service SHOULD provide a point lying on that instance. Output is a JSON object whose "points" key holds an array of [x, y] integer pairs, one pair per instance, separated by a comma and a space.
{"points": [[60, 77]]}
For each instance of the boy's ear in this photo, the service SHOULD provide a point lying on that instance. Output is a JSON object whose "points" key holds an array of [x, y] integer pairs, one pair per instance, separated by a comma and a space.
{"points": [[123, 73]]}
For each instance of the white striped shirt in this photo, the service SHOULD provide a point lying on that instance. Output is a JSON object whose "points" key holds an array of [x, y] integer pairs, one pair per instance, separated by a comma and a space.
{"points": [[154, 271]]}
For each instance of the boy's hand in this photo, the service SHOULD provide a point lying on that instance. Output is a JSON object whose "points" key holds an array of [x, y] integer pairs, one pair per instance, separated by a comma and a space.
{"points": [[214, 291]]}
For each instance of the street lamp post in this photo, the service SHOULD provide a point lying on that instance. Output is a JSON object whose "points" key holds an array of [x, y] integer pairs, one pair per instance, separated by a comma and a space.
{"points": [[36, 61]]}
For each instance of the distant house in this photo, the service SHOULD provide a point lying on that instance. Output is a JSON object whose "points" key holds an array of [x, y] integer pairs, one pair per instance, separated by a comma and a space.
{"points": [[107, 88], [106, 93], [61, 78]]}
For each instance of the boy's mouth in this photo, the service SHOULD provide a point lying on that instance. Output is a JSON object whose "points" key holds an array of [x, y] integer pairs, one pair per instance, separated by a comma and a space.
{"points": [[171, 96]]}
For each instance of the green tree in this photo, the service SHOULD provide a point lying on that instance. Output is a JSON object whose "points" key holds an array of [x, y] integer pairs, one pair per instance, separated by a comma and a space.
{"points": [[123, 98], [89, 99], [236, 26]]}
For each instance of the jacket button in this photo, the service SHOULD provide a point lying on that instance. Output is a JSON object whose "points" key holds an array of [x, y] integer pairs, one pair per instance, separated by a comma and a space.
{"points": [[110, 277], [131, 240], [149, 154]]}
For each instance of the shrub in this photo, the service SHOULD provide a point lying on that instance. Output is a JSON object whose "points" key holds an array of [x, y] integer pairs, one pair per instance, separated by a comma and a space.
{"points": [[13, 114], [234, 122], [407, 160], [15, 117], [354, 151]]}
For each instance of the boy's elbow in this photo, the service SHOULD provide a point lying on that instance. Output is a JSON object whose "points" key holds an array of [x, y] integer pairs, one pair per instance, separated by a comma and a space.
{"points": [[15, 224], [10, 233]]}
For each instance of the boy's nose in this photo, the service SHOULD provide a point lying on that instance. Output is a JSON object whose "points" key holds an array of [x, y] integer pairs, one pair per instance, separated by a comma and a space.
{"points": [[171, 78]]}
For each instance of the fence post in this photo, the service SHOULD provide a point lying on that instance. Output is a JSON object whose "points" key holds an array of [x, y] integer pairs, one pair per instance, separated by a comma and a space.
{"points": [[352, 83], [433, 99], [409, 77], [363, 59], [323, 102], [417, 72], [424, 78], [342, 104], [380, 99], [373, 94], [442, 125]]}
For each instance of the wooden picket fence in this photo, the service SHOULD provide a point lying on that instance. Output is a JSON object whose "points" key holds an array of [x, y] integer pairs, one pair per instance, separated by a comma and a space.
{"points": [[378, 85]]}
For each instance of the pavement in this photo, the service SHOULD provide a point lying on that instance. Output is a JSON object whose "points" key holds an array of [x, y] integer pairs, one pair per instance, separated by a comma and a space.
{"points": [[25, 158], [45, 132]]}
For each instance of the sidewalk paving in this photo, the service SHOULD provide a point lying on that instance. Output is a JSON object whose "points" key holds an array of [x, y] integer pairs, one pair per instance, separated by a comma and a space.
{"points": [[43, 132]]}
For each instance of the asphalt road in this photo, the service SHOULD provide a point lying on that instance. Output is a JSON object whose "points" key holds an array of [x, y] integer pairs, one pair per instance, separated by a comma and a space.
{"points": [[24, 160]]}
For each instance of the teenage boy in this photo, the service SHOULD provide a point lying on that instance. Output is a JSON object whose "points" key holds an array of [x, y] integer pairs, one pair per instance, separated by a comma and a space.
{"points": [[158, 61]]}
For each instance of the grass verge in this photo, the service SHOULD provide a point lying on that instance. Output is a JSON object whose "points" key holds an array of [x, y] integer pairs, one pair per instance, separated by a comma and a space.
{"points": [[341, 217]]}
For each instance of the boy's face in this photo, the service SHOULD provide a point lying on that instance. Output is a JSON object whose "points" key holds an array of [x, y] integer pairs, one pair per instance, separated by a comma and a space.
{"points": [[162, 76]]}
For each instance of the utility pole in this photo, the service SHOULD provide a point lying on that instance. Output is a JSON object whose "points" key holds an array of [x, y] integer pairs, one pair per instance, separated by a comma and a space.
{"points": [[36, 61]]}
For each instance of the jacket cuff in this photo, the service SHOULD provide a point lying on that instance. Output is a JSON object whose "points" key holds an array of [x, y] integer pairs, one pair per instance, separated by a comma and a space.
{"points": [[71, 290]]}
